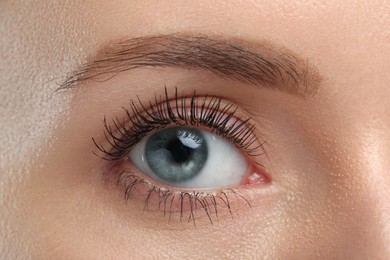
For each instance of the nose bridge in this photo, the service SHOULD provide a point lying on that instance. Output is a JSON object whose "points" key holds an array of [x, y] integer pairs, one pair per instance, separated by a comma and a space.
{"points": [[370, 199], [376, 157], [375, 212]]}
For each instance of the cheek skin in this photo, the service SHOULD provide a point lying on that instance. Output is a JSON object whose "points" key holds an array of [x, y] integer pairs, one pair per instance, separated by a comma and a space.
{"points": [[35, 55], [29, 110]]}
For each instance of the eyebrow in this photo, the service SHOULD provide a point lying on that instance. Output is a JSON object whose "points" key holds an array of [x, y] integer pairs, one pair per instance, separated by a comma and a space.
{"points": [[258, 64]]}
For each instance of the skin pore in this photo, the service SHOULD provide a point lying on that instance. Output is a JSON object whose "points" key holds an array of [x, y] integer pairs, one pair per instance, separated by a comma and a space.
{"points": [[327, 153]]}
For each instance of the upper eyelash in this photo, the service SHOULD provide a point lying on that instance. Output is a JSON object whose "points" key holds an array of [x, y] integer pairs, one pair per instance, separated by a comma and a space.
{"points": [[210, 113]]}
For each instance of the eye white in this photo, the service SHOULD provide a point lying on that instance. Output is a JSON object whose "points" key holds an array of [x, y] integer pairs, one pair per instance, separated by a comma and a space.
{"points": [[225, 166]]}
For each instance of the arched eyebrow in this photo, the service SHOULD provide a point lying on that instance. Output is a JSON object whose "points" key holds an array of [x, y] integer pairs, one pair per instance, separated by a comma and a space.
{"points": [[258, 64]]}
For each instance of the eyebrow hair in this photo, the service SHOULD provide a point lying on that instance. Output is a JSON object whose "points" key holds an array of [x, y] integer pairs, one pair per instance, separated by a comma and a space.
{"points": [[258, 64]]}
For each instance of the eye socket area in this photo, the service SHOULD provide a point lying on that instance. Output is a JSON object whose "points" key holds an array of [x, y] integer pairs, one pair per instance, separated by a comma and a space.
{"points": [[189, 157]]}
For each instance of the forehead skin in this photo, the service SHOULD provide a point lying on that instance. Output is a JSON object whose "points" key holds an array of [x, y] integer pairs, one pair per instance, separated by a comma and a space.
{"points": [[348, 41]]}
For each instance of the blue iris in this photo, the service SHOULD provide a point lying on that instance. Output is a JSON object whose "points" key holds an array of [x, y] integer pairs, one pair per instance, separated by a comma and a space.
{"points": [[176, 154]]}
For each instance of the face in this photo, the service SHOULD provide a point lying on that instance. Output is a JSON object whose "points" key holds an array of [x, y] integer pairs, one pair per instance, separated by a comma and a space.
{"points": [[176, 129]]}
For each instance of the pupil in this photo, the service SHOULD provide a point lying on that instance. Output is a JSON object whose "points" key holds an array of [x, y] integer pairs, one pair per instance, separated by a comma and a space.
{"points": [[180, 152]]}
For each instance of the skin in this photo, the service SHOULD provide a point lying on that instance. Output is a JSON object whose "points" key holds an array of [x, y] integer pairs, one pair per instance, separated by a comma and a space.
{"points": [[328, 155]]}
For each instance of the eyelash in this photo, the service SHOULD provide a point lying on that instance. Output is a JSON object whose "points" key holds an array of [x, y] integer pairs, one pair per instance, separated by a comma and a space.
{"points": [[161, 114], [166, 198], [209, 112]]}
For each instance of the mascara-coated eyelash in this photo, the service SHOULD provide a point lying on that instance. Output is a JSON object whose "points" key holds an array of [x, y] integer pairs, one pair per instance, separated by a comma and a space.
{"points": [[211, 203], [196, 111], [213, 114]]}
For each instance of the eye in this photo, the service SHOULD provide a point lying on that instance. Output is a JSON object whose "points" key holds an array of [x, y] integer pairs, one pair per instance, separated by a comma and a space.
{"points": [[189, 157], [183, 154]]}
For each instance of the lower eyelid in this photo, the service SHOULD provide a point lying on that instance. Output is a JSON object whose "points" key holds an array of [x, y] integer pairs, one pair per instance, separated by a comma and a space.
{"points": [[176, 205]]}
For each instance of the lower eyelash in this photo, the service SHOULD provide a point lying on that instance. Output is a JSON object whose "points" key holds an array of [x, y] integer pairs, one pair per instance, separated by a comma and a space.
{"points": [[185, 203]]}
